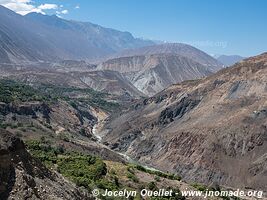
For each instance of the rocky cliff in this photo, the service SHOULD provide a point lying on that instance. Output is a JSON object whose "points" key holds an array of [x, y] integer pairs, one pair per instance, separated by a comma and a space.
{"points": [[212, 130], [23, 177], [152, 73]]}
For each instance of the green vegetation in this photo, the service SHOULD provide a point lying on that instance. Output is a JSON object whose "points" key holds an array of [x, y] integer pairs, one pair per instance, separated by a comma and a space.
{"points": [[89, 96], [61, 91], [157, 178], [11, 125], [3, 125], [200, 187], [101, 103], [64, 136], [204, 188], [157, 173], [133, 177], [152, 186], [92, 172], [82, 169], [11, 91]]}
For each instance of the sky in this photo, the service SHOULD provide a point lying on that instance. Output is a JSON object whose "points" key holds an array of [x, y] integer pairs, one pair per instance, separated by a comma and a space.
{"points": [[226, 27]]}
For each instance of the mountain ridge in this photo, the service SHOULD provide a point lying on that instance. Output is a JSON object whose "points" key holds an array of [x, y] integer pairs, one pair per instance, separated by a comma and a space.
{"points": [[153, 68], [174, 48], [229, 60], [37, 37], [211, 130], [152, 73]]}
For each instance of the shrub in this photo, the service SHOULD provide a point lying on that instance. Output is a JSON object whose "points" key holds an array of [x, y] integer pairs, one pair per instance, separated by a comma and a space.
{"points": [[141, 168], [158, 173], [3, 126], [157, 178], [116, 181], [199, 186], [152, 186], [82, 169], [83, 131], [106, 185], [11, 91], [132, 177]]}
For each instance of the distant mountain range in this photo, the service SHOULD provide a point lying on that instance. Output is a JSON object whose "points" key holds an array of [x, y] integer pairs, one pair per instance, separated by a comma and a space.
{"points": [[139, 67], [176, 49], [151, 69], [36, 37], [228, 60]]}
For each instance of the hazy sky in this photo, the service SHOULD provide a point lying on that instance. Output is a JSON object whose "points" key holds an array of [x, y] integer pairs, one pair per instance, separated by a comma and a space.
{"points": [[215, 26]]}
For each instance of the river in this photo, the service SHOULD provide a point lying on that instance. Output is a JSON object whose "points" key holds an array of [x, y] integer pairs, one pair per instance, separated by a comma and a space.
{"points": [[98, 127]]}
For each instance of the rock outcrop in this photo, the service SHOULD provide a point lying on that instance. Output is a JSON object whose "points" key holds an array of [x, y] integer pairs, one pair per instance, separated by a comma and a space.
{"points": [[152, 73], [23, 177]]}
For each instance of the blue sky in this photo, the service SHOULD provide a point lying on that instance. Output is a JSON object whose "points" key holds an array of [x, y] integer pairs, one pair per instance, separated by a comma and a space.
{"points": [[215, 26]]}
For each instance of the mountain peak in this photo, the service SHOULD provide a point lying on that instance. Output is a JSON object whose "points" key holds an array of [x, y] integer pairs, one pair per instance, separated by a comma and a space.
{"points": [[177, 49], [229, 60], [50, 38]]}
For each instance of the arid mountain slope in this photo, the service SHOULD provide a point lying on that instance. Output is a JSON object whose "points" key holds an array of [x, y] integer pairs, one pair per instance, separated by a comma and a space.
{"points": [[229, 60], [71, 74], [37, 37], [19, 42], [63, 115], [176, 49], [152, 73], [212, 130], [23, 177], [59, 128]]}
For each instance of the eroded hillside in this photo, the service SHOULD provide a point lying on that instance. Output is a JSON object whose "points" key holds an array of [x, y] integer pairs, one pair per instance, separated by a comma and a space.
{"points": [[211, 130]]}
